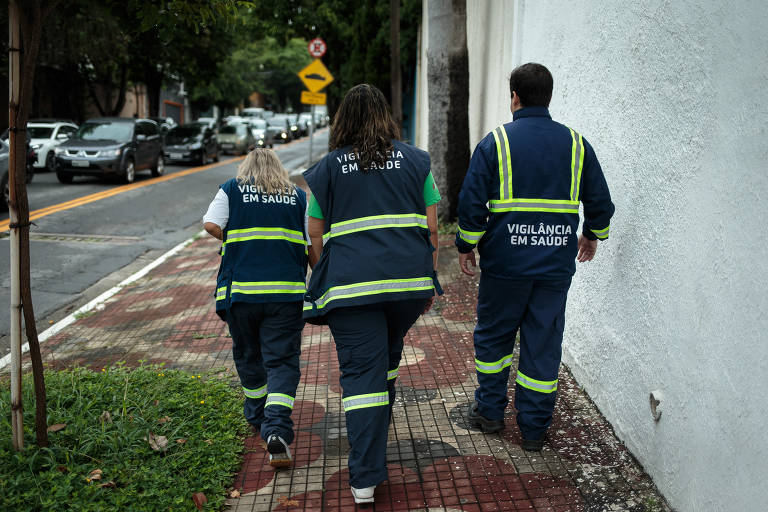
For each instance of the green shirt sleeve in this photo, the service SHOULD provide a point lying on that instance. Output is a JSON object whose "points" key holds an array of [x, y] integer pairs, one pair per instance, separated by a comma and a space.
{"points": [[431, 194], [313, 209]]}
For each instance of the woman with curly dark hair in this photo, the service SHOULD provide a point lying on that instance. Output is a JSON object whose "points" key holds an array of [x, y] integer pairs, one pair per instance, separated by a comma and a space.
{"points": [[373, 228]]}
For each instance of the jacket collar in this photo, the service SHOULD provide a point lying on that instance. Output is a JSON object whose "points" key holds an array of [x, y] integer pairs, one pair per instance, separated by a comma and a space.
{"points": [[531, 112]]}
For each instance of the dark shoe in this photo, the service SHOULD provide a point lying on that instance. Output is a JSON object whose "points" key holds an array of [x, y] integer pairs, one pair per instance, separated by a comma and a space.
{"points": [[279, 453], [487, 426], [533, 445]]}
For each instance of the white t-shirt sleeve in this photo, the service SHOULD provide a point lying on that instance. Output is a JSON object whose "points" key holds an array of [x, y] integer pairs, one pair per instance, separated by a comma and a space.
{"points": [[218, 210]]}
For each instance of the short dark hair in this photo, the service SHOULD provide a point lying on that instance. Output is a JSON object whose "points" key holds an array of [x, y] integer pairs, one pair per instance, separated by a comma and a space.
{"points": [[533, 84]]}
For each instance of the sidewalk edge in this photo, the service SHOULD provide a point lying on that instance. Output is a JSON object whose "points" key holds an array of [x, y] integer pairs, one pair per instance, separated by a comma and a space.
{"points": [[70, 319]]}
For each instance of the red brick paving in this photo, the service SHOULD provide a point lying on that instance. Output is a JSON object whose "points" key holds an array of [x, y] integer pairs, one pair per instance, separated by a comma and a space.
{"points": [[435, 462]]}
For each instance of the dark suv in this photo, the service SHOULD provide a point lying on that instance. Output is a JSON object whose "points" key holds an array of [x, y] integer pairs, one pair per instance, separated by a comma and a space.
{"points": [[111, 146]]}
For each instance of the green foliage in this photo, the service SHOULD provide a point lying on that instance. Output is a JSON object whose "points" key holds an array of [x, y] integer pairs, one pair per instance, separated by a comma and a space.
{"points": [[110, 417]]}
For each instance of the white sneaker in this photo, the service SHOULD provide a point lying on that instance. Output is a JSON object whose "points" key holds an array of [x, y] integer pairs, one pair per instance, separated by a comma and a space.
{"points": [[364, 495], [279, 453]]}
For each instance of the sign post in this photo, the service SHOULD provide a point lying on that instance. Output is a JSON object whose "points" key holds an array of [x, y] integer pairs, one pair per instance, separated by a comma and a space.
{"points": [[315, 77]]}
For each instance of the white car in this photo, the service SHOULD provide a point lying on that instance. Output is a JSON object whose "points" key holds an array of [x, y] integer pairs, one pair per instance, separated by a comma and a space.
{"points": [[45, 135]]}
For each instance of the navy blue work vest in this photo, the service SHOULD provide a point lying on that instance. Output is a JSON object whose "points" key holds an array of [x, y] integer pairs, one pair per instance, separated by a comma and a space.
{"points": [[376, 245], [264, 254]]}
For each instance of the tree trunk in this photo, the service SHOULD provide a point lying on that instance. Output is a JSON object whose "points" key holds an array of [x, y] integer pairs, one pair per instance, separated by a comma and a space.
{"points": [[394, 63], [30, 21], [120, 103], [448, 77], [153, 79]]}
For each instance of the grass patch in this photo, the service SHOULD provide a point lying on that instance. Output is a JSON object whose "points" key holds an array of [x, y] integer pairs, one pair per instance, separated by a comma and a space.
{"points": [[111, 417], [447, 228], [84, 314]]}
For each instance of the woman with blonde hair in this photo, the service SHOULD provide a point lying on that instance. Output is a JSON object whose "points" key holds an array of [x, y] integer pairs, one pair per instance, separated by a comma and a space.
{"points": [[259, 217]]}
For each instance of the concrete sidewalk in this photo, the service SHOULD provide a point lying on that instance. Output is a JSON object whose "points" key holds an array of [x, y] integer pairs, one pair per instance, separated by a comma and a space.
{"points": [[435, 461]]}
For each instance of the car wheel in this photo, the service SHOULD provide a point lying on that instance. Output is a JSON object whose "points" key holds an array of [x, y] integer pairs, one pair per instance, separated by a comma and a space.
{"points": [[30, 174], [159, 168], [50, 162], [64, 177], [203, 157], [216, 156], [6, 199], [129, 174]]}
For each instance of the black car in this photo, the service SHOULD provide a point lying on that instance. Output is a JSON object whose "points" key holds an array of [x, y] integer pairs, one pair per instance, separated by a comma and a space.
{"points": [[191, 142], [31, 154], [279, 128], [111, 146]]}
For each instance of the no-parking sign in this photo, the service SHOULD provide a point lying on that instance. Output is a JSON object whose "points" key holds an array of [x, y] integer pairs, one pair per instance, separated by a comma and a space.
{"points": [[317, 47]]}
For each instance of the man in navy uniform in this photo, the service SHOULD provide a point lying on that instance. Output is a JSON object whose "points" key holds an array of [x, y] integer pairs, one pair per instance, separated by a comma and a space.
{"points": [[520, 205]]}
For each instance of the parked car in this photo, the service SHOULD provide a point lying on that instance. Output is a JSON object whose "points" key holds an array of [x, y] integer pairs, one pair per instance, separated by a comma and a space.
{"points": [[235, 138], [31, 154], [306, 118], [111, 146], [263, 137], [253, 112], [165, 123], [46, 134], [280, 128], [298, 127], [191, 142]]}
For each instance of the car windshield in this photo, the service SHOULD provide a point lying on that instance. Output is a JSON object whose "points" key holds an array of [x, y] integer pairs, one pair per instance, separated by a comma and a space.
{"points": [[188, 130], [258, 124], [40, 132], [120, 132], [233, 128]]}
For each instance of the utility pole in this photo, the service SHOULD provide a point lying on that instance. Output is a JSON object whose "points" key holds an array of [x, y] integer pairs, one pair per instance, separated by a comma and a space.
{"points": [[14, 78], [394, 63]]}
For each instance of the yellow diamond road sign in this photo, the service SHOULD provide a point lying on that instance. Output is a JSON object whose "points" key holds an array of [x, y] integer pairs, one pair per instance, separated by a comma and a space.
{"points": [[315, 76]]}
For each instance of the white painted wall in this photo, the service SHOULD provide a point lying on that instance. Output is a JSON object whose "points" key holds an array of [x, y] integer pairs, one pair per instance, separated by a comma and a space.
{"points": [[672, 95]]}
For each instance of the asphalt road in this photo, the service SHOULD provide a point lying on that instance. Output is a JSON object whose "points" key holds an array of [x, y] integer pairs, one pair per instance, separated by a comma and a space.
{"points": [[80, 252]]}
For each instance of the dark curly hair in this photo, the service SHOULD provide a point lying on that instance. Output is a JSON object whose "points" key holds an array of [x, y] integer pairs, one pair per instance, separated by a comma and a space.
{"points": [[364, 122]]}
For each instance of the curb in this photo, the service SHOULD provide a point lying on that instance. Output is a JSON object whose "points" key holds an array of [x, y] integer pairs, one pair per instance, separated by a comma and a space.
{"points": [[70, 319]]}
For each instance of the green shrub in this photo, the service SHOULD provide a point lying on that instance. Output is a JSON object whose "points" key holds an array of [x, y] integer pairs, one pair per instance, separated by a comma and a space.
{"points": [[111, 416]]}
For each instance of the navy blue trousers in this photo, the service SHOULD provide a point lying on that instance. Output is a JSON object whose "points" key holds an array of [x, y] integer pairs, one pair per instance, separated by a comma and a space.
{"points": [[537, 309], [266, 343], [369, 344]]}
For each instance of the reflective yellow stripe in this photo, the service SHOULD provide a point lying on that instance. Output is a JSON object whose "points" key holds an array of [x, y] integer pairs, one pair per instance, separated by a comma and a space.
{"points": [[372, 288], [364, 401], [471, 237], [602, 234], [494, 367], [501, 163], [392, 374], [534, 205], [508, 181], [221, 293], [542, 386], [259, 287], [259, 233], [279, 399], [406, 220], [255, 393]]}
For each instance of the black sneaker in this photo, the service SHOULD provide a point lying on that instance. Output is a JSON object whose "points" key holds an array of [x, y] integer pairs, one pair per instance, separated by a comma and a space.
{"points": [[532, 445], [279, 453], [487, 426]]}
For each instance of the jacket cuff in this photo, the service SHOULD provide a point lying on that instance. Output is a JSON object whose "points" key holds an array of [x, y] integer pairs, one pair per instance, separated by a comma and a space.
{"points": [[463, 246]]}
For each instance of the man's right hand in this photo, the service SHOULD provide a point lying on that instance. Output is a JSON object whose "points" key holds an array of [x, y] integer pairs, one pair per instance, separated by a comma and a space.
{"points": [[465, 259], [587, 249]]}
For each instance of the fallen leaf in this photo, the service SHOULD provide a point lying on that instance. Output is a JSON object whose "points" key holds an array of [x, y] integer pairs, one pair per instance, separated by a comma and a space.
{"points": [[62, 468], [96, 472], [156, 402], [50, 322], [56, 427], [157, 443], [234, 493], [164, 419], [181, 441], [110, 484], [200, 500], [209, 441], [288, 502], [105, 417]]}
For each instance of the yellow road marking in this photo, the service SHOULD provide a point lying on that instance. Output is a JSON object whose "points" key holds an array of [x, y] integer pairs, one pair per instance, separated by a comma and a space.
{"points": [[67, 205]]}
